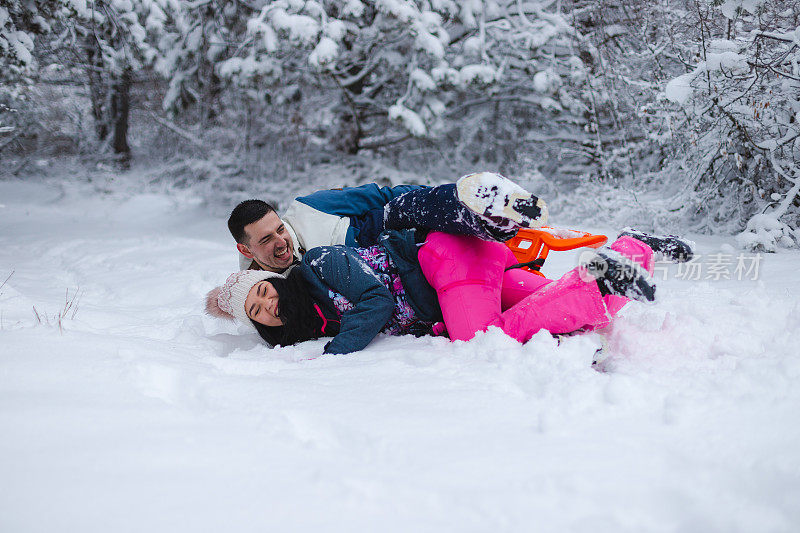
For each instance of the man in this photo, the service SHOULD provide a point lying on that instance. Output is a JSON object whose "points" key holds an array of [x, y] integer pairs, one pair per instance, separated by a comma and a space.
{"points": [[484, 204], [352, 216]]}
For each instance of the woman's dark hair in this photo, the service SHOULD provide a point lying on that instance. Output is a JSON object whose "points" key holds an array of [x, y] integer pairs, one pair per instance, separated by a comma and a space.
{"points": [[301, 322]]}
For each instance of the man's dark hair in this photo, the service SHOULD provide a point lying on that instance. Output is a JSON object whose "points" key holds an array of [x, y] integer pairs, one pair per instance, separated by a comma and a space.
{"points": [[246, 213]]}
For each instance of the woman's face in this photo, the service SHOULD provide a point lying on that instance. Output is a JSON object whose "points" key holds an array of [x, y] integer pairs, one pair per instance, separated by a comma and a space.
{"points": [[261, 304]]}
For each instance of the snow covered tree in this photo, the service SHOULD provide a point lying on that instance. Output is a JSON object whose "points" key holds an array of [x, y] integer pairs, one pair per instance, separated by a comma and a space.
{"points": [[195, 38], [111, 41], [473, 72], [698, 98], [624, 64], [361, 54], [21, 21], [20, 24], [738, 103], [527, 82]]}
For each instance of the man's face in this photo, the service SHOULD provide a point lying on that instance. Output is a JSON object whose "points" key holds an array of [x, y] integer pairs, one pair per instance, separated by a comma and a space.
{"points": [[268, 243]]}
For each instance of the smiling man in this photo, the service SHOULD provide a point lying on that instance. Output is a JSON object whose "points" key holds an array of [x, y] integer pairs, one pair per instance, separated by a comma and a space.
{"points": [[262, 238], [351, 216]]}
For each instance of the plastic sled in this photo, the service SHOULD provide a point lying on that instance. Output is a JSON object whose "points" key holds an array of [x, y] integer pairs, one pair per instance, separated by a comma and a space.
{"points": [[531, 246]]}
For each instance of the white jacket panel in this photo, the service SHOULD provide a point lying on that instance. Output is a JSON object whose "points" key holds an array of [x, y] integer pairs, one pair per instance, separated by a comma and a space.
{"points": [[315, 228]]}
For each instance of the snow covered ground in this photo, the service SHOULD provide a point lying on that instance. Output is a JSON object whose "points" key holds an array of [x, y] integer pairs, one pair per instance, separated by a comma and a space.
{"points": [[135, 412]]}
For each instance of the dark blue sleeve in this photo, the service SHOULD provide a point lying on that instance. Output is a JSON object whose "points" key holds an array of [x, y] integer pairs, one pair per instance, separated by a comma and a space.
{"points": [[341, 269], [354, 201]]}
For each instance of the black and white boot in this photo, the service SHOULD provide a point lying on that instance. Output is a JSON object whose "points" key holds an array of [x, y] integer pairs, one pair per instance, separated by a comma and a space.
{"points": [[618, 275], [665, 247], [500, 201]]}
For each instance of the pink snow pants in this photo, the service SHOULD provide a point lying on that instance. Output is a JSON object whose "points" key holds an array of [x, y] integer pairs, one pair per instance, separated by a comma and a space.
{"points": [[476, 292]]}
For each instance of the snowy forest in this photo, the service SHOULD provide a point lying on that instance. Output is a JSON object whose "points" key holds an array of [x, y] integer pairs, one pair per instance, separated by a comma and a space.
{"points": [[129, 130], [688, 106]]}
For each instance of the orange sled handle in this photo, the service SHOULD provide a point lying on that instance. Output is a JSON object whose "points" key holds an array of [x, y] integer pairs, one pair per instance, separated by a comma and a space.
{"points": [[531, 246]]}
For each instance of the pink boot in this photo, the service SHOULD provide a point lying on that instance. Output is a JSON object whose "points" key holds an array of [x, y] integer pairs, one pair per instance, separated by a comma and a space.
{"points": [[637, 251]]}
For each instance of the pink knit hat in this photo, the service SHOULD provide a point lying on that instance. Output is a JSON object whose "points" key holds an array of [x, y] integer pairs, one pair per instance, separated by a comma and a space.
{"points": [[228, 301]]}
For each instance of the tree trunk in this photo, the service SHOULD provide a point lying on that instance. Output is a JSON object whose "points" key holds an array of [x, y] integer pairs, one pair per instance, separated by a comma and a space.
{"points": [[349, 132], [210, 84], [211, 89], [120, 109], [98, 90]]}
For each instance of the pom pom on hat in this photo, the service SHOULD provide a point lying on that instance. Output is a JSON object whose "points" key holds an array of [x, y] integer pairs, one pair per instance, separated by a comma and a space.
{"points": [[212, 305], [228, 301]]}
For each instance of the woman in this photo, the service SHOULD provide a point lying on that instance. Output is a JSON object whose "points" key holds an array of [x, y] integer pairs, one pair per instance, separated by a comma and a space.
{"points": [[350, 294], [398, 287]]}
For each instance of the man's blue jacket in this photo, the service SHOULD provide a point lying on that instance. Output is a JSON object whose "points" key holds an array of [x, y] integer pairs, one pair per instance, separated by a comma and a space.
{"points": [[352, 216]]}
